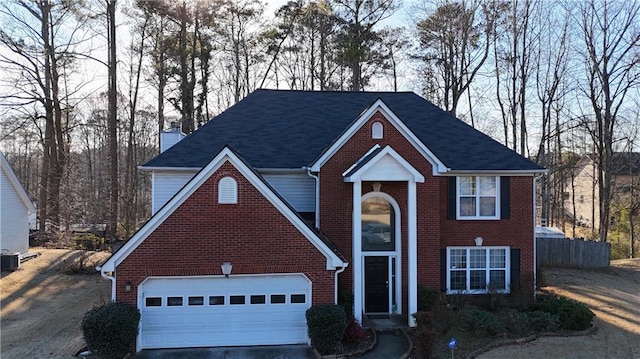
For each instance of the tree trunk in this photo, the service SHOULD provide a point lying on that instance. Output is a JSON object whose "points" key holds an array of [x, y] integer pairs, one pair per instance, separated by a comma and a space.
{"points": [[112, 125]]}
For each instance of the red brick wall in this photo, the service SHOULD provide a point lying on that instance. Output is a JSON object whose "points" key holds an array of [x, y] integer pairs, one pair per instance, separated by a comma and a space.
{"points": [[202, 234], [435, 231]]}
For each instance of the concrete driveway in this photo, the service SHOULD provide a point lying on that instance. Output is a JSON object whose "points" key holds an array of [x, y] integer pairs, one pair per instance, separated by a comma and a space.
{"points": [[262, 352]]}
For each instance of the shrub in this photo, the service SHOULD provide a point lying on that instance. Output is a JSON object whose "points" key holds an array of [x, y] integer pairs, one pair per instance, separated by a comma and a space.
{"points": [[345, 299], [427, 297], [424, 343], [326, 324], [354, 333], [110, 329], [572, 315], [480, 322], [540, 321]]}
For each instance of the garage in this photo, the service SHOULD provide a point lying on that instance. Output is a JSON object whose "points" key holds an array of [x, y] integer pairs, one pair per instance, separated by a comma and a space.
{"points": [[218, 311]]}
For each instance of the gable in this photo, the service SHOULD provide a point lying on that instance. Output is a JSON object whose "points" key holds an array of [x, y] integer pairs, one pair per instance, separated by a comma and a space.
{"points": [[10, 182], [225, 164]]}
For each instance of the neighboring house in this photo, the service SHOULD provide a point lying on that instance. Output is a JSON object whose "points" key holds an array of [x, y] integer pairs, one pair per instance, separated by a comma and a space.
{"points": [[583, 195], [15, 209], [298, 195]]}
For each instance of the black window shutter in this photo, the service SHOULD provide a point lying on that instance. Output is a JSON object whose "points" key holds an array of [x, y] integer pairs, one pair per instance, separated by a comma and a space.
{"points": [[505, 200], [451, 202], [515, 267], [443, 270]]}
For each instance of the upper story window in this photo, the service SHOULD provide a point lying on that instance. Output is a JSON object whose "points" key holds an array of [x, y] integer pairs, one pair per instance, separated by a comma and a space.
{"points": [[377, 131], [477, 197], [227, 191]]}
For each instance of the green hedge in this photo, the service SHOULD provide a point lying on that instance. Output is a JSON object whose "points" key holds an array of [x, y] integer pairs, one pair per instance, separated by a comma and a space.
{"points": [[571, 315], [326, 324], [111, 329]]}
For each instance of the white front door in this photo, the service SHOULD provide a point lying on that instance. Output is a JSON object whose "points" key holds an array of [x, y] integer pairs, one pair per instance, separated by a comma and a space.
{"points": [[218, 311]]}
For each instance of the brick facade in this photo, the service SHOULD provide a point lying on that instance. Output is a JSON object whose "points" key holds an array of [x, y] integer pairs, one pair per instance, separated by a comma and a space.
{"points": [[201, 234], [435, 232]]}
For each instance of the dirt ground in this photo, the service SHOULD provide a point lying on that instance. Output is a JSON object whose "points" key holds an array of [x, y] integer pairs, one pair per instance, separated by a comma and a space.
{"points": [[613, 294], [42, 307]]}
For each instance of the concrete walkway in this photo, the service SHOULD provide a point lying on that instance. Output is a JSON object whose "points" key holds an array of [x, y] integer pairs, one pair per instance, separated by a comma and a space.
{"points": [[391, 344]]}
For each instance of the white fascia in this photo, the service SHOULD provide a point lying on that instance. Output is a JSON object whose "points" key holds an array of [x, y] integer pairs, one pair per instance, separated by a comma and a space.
{"points": [[437, 165]]}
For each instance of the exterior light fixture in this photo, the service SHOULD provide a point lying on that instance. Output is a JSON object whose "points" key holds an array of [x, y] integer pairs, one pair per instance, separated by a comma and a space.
{"points": [[377, 186], [226, 269], [478, 241], [127, 286]]}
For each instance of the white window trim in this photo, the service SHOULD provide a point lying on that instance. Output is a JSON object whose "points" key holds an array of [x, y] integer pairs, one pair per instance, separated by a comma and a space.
{"points": [[477, 196], [377, 131], [507, 278]]}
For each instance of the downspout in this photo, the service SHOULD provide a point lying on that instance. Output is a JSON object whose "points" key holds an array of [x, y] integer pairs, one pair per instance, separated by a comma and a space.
{"points": [[113, 282], [535, 237], [335, 285], [317, 178]]}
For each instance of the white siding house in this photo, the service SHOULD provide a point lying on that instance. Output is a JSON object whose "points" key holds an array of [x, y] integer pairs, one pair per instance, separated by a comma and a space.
{"points": [[15, 208]]}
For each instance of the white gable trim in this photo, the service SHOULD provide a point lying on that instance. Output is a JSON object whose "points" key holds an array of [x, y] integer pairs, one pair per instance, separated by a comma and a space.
{"points": [[15, 182], [226, 155], [437, 165], [386, 154]]}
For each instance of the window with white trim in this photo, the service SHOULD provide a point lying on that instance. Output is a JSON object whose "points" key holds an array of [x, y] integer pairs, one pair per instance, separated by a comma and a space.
{"points": [[478, 270], [478, 197], [377, 131], [227, 191]]}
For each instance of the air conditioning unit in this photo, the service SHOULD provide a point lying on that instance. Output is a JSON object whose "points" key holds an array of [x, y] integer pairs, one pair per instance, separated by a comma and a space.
{"points": [[10, 262]]}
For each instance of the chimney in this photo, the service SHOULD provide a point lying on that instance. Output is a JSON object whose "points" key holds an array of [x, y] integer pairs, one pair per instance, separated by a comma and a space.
{"points": [[171, 136]]}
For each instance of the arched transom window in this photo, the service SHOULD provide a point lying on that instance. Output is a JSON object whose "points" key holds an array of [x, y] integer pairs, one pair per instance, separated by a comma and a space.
{"points": [[378, 225]]}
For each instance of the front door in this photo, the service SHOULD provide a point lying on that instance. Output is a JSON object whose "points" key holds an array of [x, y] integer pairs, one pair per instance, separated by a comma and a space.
{"points": [[376, 284]]}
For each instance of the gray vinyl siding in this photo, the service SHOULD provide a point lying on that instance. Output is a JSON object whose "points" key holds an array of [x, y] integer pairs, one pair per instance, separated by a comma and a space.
{"points": [[14, 222], [165, 185], [297, 189]]}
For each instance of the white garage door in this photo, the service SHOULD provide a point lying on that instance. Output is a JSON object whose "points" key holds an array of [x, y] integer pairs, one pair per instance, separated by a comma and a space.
{"points": [[218, 311]]}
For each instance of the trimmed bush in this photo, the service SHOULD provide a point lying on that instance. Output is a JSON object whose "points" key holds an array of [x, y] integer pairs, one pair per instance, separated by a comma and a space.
{"points": [[326, 325], [345, 299], [110, 329], [354, 333], [540, 321], [481, 322], [572, 315], [427, 298]]}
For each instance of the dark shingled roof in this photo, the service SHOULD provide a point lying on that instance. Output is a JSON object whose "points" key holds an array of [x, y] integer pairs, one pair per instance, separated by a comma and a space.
{"points": [[291, 129]]}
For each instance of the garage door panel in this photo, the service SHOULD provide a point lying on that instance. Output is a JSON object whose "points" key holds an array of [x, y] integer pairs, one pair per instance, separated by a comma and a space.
{"points": [[206, 316]]}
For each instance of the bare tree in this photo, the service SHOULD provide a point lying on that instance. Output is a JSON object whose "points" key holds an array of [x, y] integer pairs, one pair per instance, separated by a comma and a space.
{"points": [[611, 40], [454, 40]]}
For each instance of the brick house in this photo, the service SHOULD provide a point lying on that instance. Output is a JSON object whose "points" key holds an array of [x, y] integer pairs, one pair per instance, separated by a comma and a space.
{"points": [[289, 197]]}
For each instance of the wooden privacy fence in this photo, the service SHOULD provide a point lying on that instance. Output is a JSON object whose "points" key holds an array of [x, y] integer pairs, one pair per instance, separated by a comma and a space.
{"points": [[572, 253]]}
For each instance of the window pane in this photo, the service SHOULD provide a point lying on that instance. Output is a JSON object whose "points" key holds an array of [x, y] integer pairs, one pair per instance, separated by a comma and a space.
{"points": [[467, 206], [216, 300], [497, 280], [153, 301], [467, 186], [196, 300], [278, 298], [488, 206], [478, 280], [378, 227], [458, 280], [174, 301], [478, 258], [258, 299], [458, 258], [298, 298], [487, 186], [497, 258], [236, 299]]}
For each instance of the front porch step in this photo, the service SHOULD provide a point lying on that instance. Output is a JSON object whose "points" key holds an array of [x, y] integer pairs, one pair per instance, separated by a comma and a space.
{"points": [[384, 321]]}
